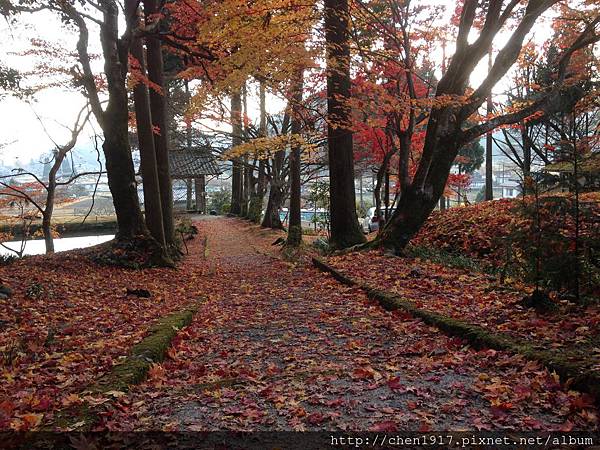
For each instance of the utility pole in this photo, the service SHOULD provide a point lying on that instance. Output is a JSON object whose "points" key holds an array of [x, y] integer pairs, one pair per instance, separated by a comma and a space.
{"points": [[362, 203], [489, 171]]}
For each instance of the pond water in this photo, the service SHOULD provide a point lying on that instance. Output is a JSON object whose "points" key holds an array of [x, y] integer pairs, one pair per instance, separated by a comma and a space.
{"points": [[37, 247]]}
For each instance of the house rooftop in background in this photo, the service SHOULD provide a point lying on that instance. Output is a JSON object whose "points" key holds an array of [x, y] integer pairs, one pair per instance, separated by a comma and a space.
{"points": [[587, 164], [193, 165], [186, 163]]}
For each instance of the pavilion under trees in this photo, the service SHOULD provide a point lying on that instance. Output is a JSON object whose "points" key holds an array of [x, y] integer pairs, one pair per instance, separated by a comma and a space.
{"points": [[193, 165]]}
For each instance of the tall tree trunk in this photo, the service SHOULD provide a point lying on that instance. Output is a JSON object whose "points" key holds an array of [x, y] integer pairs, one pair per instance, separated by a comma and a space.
{"points": [[200, 183], [188, 194], [148, 166], [294, 237], [247, 170], [276, 194], [256, 201], [345, 230], [47, 230], [386, 194], [59, 156], [381, 171], [417, 201], [257, 197], [274, 204], [47, 213], [246, 187], [236, 139], [526, 157], [161, 140], [188, 143], [119, 167]]}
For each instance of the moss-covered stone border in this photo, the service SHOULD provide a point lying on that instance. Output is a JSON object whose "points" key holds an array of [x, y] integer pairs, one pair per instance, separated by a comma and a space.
{"points": [[132, 370], [576, 376], [150, 350]]}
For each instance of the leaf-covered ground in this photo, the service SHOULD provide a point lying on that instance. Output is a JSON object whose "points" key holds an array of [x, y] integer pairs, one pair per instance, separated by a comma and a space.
{"points": [[483, 230], [283, 346], [274, 346], [526, 239], [69, 320], [478, 298]]}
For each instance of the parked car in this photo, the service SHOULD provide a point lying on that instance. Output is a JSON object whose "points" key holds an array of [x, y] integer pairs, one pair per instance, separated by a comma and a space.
{"points": [[371, 222]]}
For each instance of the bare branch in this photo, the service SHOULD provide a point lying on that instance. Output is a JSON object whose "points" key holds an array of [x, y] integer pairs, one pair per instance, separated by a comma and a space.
{"points": [[73, 178], [21, 172], [550, 103], [88, 80], [21, 194]]}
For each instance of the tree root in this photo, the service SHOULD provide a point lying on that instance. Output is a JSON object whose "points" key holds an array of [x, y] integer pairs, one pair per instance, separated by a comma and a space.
{"points": [[136, 253]]}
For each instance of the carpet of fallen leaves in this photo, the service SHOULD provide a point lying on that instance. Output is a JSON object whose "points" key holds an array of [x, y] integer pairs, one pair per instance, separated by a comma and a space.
{"points": [[69, 320], [481, 230], [478, 298], [282, 346]]}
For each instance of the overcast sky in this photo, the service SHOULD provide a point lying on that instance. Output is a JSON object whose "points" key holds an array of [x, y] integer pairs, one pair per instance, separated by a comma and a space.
{"points": [[22, 137], [21, 130]]}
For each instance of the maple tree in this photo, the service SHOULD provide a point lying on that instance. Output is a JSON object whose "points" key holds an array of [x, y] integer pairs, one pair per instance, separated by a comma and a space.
{"points": [[444, 134], [224, 51], [540, 140], [393, 92], [385, 129]]}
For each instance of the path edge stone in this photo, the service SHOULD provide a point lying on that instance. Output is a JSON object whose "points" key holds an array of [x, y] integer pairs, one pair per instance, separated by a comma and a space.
{"points": [[133, 369], [574, 375]]}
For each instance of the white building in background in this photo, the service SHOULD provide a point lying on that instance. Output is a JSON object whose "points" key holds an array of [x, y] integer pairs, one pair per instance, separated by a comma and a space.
{"points": [[507, 183]]}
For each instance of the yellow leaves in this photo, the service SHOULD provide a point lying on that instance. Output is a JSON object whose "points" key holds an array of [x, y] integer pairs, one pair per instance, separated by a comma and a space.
{"points": [[263, 37], [8, 376], [71, 400], [26, 422], [265, 147], [448, 101], [157, 373], [69, 359]]}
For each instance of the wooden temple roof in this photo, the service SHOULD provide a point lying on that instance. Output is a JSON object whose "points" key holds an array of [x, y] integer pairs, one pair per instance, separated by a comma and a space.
{"points": [[192, 162]]}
